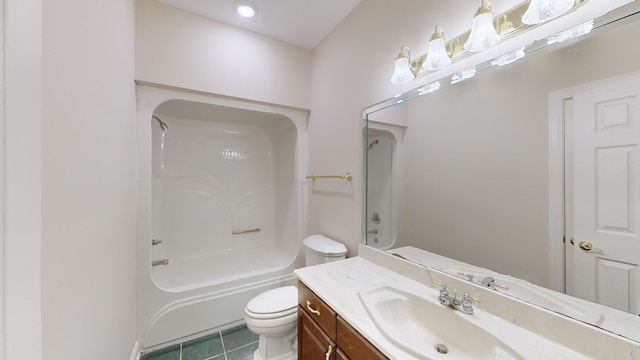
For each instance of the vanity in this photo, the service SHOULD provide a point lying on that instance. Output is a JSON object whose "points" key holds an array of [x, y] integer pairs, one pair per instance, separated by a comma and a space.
{"points": [[321, 332], [379, 305]]}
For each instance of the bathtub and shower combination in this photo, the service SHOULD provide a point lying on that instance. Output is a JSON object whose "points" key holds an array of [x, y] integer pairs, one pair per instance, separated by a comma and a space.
{"points": [[220, 209]]}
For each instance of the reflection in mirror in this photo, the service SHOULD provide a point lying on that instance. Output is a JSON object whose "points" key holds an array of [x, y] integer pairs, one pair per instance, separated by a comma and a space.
{"points": [[473, 167], [382, 165]]}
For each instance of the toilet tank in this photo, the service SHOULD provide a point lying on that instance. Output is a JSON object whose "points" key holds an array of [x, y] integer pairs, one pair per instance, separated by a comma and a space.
{"points": [[319, 250]]}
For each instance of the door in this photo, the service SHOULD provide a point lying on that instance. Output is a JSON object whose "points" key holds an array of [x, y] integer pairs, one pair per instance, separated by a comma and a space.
{"points": [[603, 215]]}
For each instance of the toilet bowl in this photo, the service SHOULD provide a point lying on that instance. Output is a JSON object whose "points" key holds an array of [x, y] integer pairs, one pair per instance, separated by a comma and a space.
{"points": [[273, 314]]}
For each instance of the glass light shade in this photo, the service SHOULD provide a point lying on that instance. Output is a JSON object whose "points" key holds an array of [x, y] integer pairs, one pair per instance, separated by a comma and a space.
{"points": [[437, 56], [402, 73], [540, 11], [483, 34]]}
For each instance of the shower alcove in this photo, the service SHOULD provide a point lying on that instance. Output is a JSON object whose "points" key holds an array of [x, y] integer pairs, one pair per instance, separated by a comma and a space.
{"points": [[219, 208], [383, 153]]}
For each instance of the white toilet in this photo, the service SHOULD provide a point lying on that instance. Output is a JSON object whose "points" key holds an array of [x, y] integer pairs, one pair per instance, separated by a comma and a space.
{"points": [[273, 315]]}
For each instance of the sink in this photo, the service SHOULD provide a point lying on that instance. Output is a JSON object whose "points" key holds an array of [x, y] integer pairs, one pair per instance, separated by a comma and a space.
{"points": [[534, 294], [420, 325]]}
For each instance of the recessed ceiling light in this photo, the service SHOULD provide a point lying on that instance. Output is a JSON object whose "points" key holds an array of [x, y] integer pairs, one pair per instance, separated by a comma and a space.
{"points": [[246, 9]]}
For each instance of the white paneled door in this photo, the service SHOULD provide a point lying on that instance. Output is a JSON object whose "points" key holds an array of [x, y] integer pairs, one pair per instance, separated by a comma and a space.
{"points": [[604, 214]]}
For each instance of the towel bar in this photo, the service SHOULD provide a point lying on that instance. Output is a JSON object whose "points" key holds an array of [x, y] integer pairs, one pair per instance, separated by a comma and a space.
{"points": [[347, 176]]}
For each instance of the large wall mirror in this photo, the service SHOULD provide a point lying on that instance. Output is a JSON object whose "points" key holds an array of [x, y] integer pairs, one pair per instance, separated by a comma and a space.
{"points": [[494, 171]]}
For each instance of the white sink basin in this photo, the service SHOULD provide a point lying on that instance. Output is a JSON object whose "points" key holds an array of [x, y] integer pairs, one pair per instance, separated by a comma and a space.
{"points": [[419, 325]]}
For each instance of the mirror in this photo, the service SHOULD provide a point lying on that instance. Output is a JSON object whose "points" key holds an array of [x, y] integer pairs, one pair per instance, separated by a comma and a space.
{"points": [[464, 171]]}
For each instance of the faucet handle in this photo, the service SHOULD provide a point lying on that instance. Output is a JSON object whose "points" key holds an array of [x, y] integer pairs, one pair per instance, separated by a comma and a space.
{"points": [[468, 276], [443, 290], [443, 286], [467, 297], [467, 306]]}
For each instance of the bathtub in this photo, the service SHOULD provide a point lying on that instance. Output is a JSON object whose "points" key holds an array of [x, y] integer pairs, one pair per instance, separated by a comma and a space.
{"points": [[220, 204]]}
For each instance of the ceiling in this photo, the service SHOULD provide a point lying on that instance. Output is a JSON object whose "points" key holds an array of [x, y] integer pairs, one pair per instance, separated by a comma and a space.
{"points": [[303, 23]]}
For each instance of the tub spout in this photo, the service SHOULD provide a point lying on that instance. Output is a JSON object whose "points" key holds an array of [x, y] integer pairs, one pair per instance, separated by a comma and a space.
{"points": [[160, 262]]}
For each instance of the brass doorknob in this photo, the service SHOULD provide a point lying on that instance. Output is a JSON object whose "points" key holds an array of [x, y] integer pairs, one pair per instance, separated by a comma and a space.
{"points": [[585, 245]]}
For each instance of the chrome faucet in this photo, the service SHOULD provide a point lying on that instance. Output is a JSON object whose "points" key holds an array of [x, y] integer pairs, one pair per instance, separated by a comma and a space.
{"points": [[463, 304]]}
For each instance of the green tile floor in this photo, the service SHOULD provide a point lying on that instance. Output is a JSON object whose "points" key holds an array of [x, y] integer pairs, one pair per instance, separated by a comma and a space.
{"points": [[237, 343]]}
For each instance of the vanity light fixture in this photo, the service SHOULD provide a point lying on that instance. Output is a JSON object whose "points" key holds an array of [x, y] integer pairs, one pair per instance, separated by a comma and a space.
{"points": [[483, 33], [540, 11], [463, 75], [509, 57], [404, 71], [505, 27], [582, 29], [245, 8], [486, 32], [437, 56], [429, 88]]}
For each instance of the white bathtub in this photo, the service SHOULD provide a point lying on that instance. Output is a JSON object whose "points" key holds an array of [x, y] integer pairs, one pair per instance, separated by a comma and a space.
{"points": [[220, 189]]}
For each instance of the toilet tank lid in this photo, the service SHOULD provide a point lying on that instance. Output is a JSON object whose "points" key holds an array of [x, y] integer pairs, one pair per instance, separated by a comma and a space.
{"points": [[274, 300], [324, 245]]}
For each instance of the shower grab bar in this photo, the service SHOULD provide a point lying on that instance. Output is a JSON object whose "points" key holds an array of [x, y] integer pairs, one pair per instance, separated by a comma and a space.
{"points": [[160, 262], [245, 231], [347, 176]]}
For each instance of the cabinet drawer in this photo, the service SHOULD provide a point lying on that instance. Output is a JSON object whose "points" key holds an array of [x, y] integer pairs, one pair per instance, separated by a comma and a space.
{"points": [[354, 345], [317, 310]]}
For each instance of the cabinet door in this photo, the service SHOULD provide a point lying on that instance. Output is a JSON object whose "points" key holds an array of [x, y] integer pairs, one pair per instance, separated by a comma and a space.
{"points": [[313, 343], [354, 345], [340, 355]]}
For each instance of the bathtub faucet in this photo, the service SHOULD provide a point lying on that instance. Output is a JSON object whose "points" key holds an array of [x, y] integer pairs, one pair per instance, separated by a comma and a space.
{"points": [[464, 305]]}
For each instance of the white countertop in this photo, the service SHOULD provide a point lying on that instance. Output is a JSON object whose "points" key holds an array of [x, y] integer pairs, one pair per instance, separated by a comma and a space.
{"points": [[338, 284]]}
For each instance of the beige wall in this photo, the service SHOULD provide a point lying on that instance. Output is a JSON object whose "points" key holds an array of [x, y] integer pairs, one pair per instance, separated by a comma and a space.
{"points": [[177, 48], [476, 169], [22, 181], [351, 70], [88, 179]]}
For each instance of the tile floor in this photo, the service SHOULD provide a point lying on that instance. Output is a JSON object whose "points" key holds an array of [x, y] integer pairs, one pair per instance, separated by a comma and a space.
{"points": [[237, 343]]}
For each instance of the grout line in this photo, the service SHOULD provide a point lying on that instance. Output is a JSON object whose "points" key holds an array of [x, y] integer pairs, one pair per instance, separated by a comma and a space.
{"points": [[224, 348]]}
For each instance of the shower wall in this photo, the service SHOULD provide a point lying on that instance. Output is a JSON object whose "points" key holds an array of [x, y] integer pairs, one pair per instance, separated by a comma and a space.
{"points": [[221, 209]]}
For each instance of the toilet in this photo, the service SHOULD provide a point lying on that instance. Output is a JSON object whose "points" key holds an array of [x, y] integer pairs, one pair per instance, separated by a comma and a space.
{"points": [[273, 314]]}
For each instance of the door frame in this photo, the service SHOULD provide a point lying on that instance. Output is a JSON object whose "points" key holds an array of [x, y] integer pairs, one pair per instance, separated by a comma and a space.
{"points": [[557, 99]]}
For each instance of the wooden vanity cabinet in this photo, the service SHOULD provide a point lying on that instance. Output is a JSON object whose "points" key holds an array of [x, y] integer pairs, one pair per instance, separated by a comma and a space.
{"points": [[313, 343], [353, 345], [322, 332]]}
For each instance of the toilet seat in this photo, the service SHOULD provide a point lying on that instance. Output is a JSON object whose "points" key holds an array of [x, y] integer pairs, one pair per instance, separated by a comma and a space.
{"points": [[273, 304]]}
